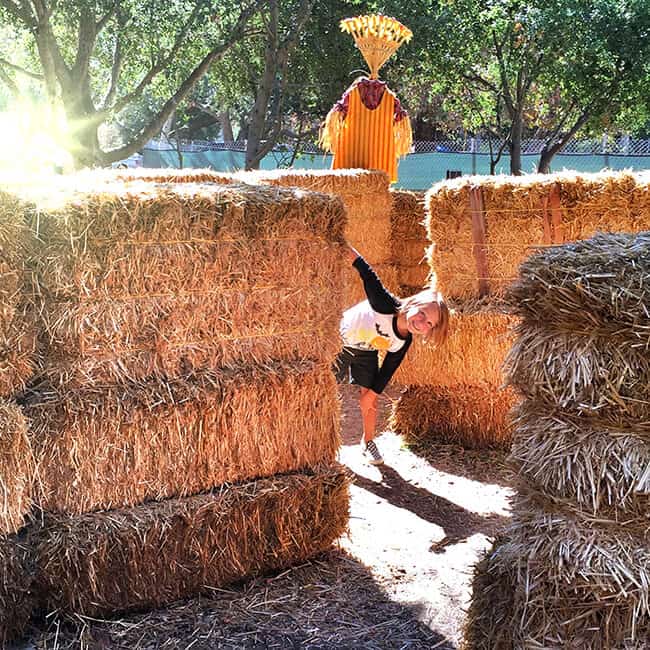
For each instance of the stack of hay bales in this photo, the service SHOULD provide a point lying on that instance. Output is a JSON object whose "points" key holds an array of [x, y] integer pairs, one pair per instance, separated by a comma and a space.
{"points": [[409, 242], [18, 360], [367, 199], [482, 228], [572, 570], [185, 419]]}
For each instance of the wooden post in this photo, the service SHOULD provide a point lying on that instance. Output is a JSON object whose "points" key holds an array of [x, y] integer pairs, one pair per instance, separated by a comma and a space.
{"points": [[480, 240]]}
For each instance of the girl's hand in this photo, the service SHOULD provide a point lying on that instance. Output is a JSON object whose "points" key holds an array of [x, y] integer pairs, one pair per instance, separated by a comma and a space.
{"points": [[353, 253]]}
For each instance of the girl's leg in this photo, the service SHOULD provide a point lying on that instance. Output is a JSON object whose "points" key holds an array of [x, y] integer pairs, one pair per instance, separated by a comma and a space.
{"points": [[368, 405]]}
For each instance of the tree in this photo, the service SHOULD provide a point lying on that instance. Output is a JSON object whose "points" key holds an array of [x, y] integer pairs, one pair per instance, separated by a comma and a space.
{"points": [[101, 58], [552, 67]]}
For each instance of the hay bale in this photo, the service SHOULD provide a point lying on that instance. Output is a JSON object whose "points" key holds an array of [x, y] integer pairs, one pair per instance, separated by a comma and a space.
{"points": [[155, 553], [603, 379], [166, 279], [114, 446], [16, 597], [480, 335], [475, 416], [490, 618], [17, 467], [364, 193], [585, 581], [597, 287], [599, 469], [408, 239], [160, 176], [514, 209], [18, 349]]}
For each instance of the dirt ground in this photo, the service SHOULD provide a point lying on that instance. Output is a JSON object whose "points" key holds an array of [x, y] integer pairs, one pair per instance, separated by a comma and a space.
{"points": [[400, 579]]}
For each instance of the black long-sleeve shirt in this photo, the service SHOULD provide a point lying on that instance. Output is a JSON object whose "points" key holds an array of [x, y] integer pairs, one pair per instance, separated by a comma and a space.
{"points": [[372, 325]]}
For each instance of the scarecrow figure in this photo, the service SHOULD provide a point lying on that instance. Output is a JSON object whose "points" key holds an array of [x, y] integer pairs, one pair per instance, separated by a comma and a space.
{"points": [[367, 128]]}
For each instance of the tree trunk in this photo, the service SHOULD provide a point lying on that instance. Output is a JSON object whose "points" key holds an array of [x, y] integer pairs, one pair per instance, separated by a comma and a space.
{"points": [[544, 165], [515, 144], [82, 125], [226, 127]]}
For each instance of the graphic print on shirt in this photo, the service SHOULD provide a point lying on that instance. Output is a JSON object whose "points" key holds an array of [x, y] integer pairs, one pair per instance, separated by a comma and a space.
{"points": [[365, 329]]}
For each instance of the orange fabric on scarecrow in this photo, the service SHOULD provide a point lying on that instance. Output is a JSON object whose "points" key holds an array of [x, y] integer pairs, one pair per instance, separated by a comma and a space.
{"points": [[368, 128]]}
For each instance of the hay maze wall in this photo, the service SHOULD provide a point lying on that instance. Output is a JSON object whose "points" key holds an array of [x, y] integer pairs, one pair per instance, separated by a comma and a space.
{"points": [[174, 401], [572, 568], [482, 229]]}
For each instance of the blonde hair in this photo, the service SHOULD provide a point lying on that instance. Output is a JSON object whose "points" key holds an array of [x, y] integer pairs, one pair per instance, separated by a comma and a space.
{"points": [[438, 334]]}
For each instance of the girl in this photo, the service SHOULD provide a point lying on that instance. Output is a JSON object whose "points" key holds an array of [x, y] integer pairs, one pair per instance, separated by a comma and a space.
{"points": [[383, 323]]}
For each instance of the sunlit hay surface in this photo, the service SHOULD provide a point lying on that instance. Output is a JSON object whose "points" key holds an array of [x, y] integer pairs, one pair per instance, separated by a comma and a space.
{"points": [[16, 595], [480, 335], [158, 175], [158, 552], [167, 279], [474, 416], [366, 197], [583, 581], [111, 446], [596, 287], [489, 624], [18, 349], [17, 467], [605, 379], [602, 470], [607, 202]]}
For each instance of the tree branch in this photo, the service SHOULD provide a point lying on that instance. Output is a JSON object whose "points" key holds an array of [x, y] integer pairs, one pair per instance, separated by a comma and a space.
{"points": [[156, 124], [507, 95], [10, 83], [17, 68], [161, 65], [101, 23]]}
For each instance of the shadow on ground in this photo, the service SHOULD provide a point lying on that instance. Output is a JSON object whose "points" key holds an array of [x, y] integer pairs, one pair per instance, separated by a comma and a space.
{"points": [[457, 522], [331, 602]]}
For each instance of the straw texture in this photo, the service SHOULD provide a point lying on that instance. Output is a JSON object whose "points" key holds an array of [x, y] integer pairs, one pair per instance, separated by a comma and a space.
{"points": [[577, 553], [475, 416], [113, 446], [514, 211], [16, 598], [156, 553], [169, 279], [17, 465], [408, 239]]}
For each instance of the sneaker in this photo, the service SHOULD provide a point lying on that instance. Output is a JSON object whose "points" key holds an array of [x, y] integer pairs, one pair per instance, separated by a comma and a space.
{"points": [[372, 453]]}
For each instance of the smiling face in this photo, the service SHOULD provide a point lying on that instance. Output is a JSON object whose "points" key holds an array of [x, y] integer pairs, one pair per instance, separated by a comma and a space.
{"points": [[422, 319]]}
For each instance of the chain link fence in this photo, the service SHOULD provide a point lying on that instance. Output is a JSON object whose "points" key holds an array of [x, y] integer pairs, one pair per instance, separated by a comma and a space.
{"points": [[429, 161]]}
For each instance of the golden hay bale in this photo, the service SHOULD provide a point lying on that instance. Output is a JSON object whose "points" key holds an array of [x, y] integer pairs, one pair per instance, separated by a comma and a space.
{"points": [[475, 416], [16, 595], [407, 216], [165, 279], [155, 553], [353, 285], [514, 214], [415, 278], [489, 624], [118, 446], [159, 176], [18, 348], [599, 378], [599, 286], [480, 335], [16, 468], [364, 193], [583, 583], [596, 468]]}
